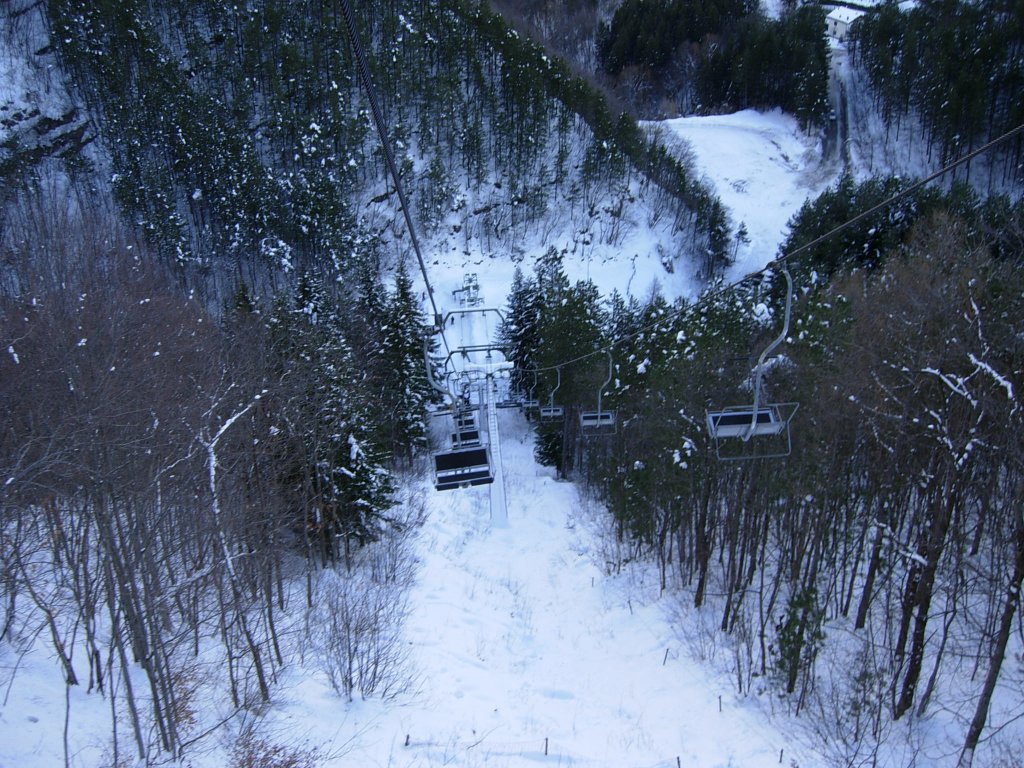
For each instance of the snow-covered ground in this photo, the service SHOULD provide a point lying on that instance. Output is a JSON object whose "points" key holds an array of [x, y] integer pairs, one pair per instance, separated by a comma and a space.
{"points": [[529, 653], [762, 166]]}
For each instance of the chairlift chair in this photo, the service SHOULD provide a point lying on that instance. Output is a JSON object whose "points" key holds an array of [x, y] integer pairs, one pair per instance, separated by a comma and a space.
{"points": [[468, 462], [764, 421], [462, 468], [736, 422], [464, 420], [509, 398], [599, 421], [466, 438], [551, 412], [530, 402]]}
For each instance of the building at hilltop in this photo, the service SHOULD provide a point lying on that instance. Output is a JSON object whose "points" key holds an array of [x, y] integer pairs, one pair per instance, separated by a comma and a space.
{"points": [[838, 22]]}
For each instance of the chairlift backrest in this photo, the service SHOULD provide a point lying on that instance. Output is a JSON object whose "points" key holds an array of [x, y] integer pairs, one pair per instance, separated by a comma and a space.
{"points": [[465, 421], [552, 412], [466, 438], [597, 419], [745, 422], [462, 468]]}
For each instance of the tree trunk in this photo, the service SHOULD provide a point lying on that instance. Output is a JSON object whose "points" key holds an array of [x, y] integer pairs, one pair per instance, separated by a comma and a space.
{"points": [[869, 579], [920, 587], [998, 653]]}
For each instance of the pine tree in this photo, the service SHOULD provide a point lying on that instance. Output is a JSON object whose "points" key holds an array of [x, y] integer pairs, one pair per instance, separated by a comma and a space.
{"points": [[333, 469], [520, 333], [571, 325], [409, 390]]}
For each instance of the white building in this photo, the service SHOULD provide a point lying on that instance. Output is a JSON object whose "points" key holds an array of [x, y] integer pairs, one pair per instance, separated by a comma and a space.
{"points": [[839, 21]]}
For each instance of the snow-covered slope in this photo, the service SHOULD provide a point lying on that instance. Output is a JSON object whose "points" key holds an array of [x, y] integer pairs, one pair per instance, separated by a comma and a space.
{"points": [[520, 640], [528, 652], [529, 644], [762, 166]]}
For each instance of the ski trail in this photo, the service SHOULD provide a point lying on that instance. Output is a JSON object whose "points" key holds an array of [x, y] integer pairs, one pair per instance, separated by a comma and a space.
{"points": [[528, 652], [524, 642]]}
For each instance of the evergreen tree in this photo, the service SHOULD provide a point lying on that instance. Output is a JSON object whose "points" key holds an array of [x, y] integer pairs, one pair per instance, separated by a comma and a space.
{"points": [[334, 470], [520, 334], [409, 390]]}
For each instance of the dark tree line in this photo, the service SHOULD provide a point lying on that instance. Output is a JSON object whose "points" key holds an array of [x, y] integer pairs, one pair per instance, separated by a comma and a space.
{"points": [[240, 138], [684, 57], [767, 64], [955, 67], [648, 33]]}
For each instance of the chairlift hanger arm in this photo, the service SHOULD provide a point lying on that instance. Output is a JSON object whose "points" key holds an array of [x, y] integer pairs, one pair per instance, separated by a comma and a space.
{"points": [[607, 381], [759, 374], [430, 375]]}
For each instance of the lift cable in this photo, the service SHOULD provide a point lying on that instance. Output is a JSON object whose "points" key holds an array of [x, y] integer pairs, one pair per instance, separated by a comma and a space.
{"points": [[378, 119], [777, 262]]}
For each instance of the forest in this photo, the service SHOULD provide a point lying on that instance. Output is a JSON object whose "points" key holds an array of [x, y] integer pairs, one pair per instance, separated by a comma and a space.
{"points": [[953, 69], [683, 57], [213, 346]]}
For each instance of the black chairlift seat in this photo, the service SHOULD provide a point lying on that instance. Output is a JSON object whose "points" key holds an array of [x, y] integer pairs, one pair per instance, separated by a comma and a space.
{"points": [[597, 421], [550, 412], [465, 421], [745, 422], [462, 468], [466, 438]]}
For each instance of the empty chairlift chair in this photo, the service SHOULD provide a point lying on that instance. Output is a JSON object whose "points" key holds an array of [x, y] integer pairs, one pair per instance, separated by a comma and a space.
{"points": [[467, 463], [734, 428], [464, 421], [552, 412], [462, 468], [466, 438], [599, 421], [528, 400], [737, 421]]}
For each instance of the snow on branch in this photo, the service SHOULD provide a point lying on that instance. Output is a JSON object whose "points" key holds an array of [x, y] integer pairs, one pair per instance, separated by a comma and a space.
{"points": [[999, 378], [955, 383]]}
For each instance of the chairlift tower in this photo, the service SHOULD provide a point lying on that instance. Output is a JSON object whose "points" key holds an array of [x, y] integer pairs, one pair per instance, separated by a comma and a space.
{"points": [[499, 505]]}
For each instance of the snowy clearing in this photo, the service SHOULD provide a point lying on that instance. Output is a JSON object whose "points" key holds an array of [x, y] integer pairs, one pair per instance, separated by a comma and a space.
{"points": [[762, 166]]}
